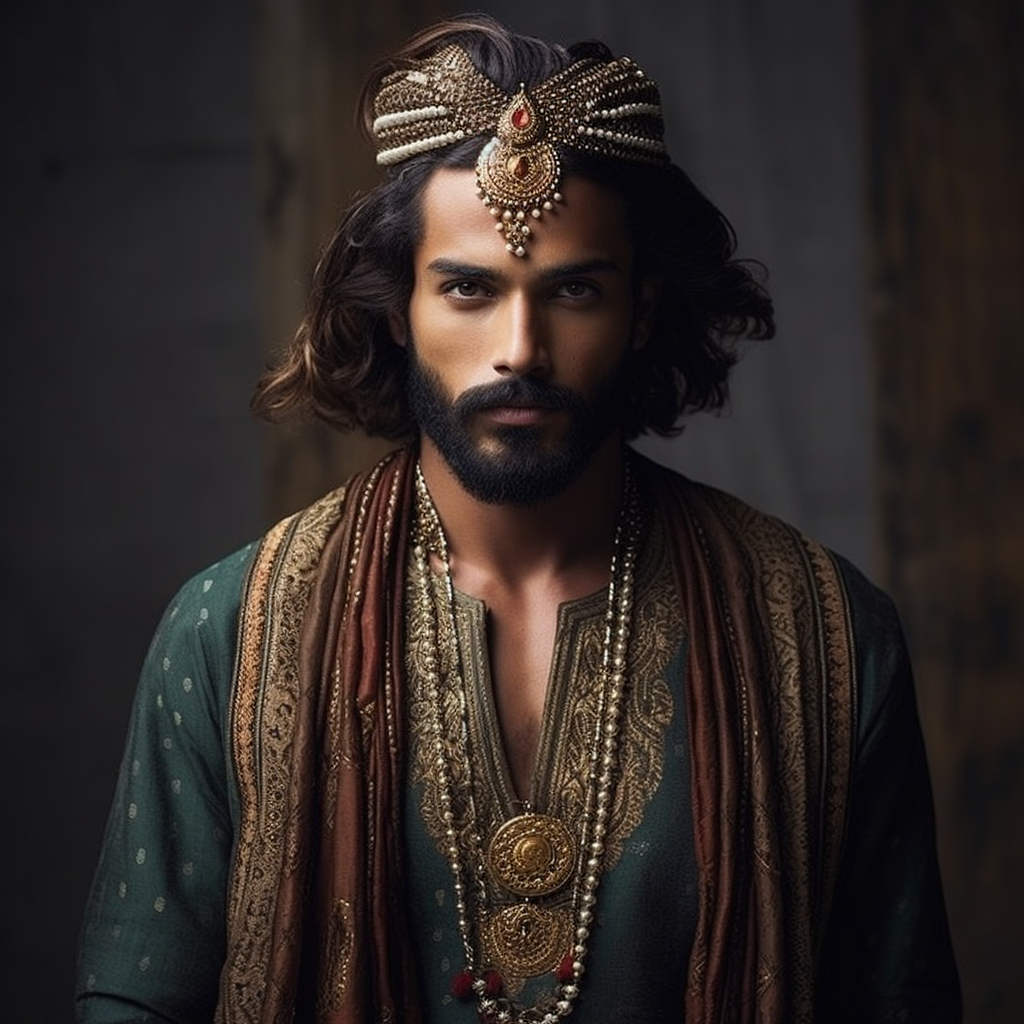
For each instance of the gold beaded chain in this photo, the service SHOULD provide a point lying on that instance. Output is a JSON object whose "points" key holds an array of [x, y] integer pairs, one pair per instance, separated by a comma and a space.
{"points": [[476, 978]]}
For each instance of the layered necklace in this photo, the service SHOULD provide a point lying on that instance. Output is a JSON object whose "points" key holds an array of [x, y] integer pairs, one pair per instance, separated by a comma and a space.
{"points": [[531, 855]]}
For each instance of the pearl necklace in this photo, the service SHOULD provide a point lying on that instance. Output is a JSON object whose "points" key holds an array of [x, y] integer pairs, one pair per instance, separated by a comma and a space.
{"points": [[477, 978]]}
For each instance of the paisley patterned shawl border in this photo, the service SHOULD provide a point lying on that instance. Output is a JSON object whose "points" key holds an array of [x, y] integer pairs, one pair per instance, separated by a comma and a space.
{"points": [[262, 728], [779, 734], [781, 741], [315, 734]]}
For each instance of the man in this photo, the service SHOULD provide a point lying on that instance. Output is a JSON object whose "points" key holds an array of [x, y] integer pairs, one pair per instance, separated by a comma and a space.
{"points": [[518, 725]]}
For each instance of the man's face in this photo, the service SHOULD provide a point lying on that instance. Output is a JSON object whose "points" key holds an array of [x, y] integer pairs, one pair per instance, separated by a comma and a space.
{"points": [[516, 364]]}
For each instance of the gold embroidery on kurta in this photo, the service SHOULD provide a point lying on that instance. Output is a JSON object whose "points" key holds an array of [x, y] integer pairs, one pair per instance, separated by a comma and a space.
{"points": [[571, 714]]}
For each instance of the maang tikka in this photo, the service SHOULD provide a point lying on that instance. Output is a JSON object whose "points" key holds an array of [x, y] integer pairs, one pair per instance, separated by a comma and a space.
{"points": [[610, 109]]}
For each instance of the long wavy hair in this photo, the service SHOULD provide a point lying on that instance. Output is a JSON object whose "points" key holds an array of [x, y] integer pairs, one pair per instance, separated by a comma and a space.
{"points": [[344, 365]]}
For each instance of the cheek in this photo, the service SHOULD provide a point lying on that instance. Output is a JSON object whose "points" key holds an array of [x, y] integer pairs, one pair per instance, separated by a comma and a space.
{"points": [[445, 345], [601, 345]]}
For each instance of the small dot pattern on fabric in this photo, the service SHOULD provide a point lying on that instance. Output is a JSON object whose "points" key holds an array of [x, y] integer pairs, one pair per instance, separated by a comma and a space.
{"points": [[153, 935]]}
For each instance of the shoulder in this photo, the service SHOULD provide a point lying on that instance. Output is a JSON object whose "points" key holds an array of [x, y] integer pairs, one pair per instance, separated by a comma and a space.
{"points": [[885, 686], [203, 616], [723, 520], [204, 612], [751, 548], [707, 506], [767, 538], [190, 658]]}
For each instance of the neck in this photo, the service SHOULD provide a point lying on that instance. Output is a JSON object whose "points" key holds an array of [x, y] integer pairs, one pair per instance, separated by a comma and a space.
{"points": [[570, 531]]}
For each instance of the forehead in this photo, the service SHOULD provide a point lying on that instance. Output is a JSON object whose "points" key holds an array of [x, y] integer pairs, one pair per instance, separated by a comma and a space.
{"points": [[589, 224]]}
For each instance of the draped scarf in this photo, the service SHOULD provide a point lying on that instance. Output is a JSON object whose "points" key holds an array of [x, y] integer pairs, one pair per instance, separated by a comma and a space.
{"points": [[316, 924]]}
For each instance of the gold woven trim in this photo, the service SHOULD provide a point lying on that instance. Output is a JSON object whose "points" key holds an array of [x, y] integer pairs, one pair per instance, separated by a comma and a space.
{"points": [[799, 759], [261, 725], [610, 109], [560, 781]]}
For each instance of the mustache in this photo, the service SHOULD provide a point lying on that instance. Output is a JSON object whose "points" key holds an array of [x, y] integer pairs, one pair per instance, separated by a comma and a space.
{"points": [[517, 392]]}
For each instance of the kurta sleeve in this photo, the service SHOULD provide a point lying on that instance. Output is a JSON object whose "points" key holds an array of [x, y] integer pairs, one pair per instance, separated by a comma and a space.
{"points": [[152, 941], [887, 954]]}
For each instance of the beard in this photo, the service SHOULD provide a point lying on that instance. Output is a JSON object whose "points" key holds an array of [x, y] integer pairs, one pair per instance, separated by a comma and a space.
{"points": [[514, 465]]}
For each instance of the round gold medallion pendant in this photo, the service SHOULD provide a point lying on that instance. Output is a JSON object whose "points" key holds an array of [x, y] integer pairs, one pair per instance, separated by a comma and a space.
{"points": [[524, 940], [531, 855]]}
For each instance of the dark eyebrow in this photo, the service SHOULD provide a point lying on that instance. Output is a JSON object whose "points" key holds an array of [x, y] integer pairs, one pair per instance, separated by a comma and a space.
{"points": [[452, 268], [594, 266], [471, 272]]}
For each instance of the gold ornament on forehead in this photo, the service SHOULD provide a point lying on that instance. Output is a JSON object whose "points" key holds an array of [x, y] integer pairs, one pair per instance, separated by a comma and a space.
{"points": [[610, 109], [518, 172]]}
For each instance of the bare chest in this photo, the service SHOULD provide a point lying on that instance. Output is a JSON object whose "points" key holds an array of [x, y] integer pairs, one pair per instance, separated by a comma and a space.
{"points": [[520, 645]]}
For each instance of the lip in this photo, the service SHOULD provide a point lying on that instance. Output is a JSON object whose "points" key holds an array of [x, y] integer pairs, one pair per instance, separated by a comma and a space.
{"points": [[518, 415]]}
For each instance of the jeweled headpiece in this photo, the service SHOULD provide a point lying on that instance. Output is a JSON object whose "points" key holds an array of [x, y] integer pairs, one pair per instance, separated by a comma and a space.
{"points": [[610, 109]]}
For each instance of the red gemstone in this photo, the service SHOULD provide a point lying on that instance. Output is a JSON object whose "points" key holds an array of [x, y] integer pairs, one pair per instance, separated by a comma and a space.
{"points": [[520, 117], [519, 166], [462, 985], [492, 984], [564, 972]]}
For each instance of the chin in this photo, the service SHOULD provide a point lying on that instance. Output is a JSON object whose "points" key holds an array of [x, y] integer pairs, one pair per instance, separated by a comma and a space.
{"points": [[516, 466]]}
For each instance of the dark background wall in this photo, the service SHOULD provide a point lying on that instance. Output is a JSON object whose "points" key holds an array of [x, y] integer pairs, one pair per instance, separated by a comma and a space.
{"points": [[152, 178], [128, 245], [944, 108]]}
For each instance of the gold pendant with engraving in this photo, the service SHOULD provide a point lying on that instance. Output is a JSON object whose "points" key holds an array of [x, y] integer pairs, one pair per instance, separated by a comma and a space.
{"points": [[531, 854], [524, 940]]}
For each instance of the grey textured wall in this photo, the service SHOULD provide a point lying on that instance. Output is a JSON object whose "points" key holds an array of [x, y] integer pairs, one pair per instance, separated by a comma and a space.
{"points": [[130, 339]]}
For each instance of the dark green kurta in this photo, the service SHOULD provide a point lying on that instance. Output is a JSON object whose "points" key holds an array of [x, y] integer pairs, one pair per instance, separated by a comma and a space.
{"points": [[153, 940]]}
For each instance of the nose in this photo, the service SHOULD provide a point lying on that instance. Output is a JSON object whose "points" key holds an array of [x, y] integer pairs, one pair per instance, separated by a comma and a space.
{"points": [[520, 343]]}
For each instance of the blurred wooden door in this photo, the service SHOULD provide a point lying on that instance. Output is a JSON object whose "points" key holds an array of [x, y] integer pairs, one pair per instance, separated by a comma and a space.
{"points": [[945, 116]]}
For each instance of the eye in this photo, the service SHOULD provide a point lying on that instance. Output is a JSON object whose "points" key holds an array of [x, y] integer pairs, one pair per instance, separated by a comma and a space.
{"points": [[466, 289], [577, 291]]}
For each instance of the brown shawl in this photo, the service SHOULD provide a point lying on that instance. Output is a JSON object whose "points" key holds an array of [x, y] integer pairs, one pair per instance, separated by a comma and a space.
{"points": [[316, 929]]}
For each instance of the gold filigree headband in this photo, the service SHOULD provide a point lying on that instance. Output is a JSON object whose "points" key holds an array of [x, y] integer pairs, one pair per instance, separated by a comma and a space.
{"points": [[612, 109]]}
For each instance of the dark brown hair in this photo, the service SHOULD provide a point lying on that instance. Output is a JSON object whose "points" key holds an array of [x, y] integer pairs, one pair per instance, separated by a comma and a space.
{"points": [[344, 365]]}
